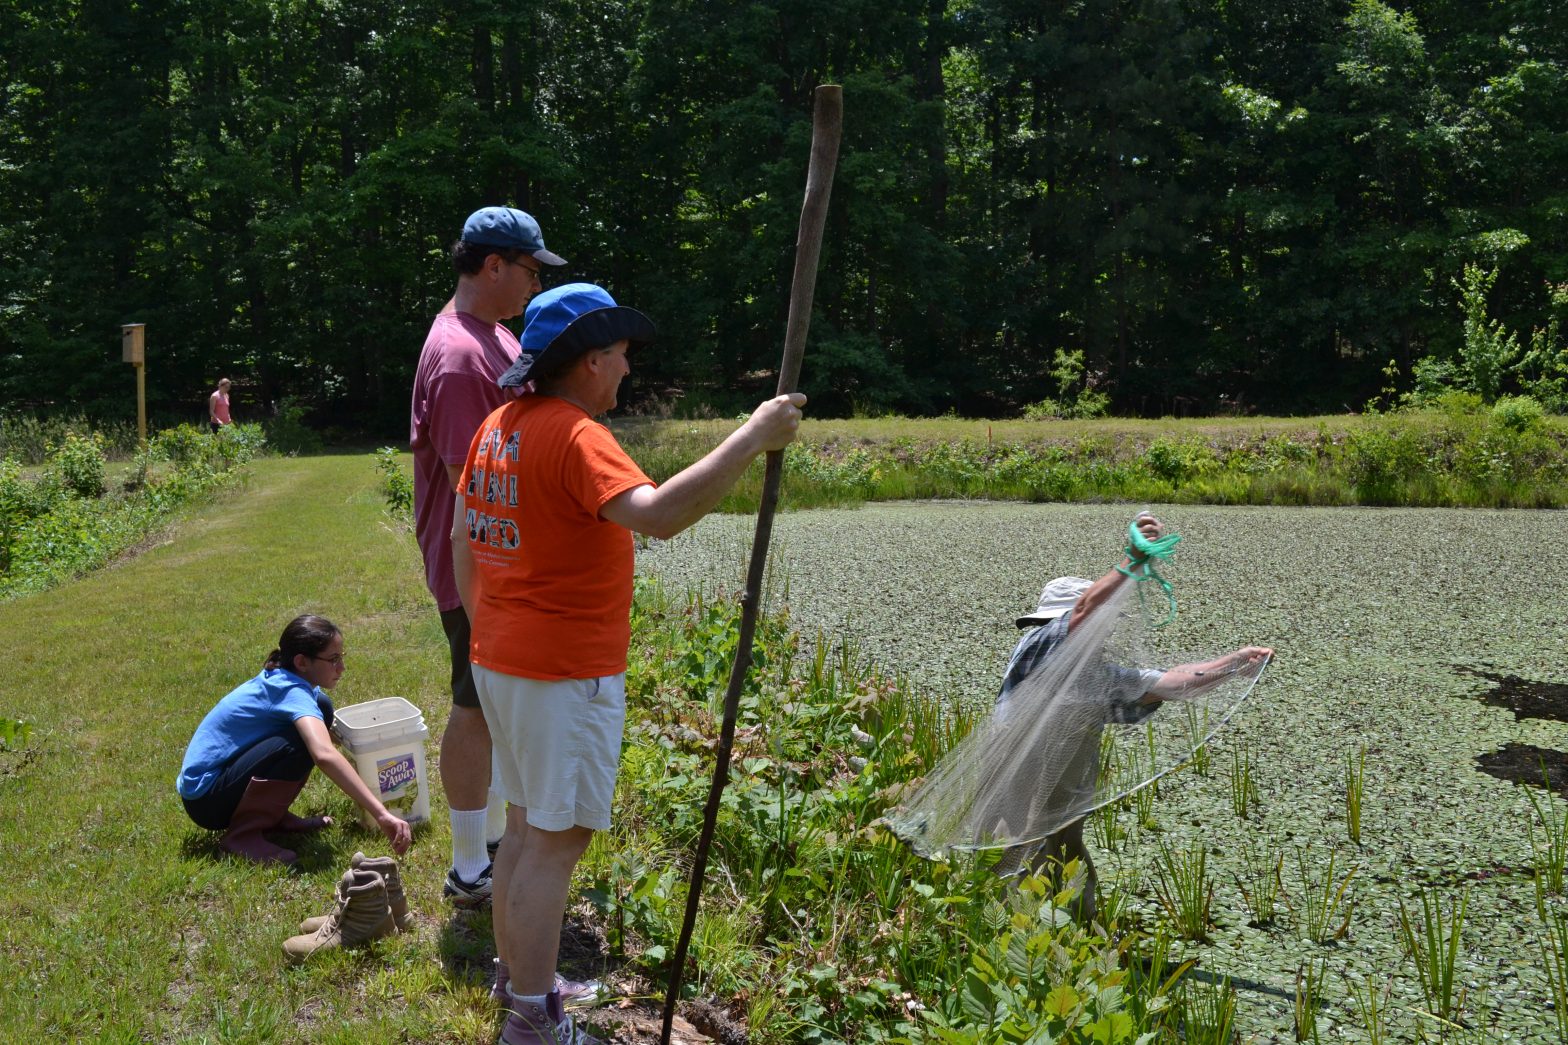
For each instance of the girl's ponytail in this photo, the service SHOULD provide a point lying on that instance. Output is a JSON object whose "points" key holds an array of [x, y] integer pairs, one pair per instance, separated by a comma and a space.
{"points": [[274, 659]]}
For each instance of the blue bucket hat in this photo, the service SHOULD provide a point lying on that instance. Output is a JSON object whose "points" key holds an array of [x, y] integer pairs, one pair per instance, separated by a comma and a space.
{"points": [[566, 321], [510, 228]]}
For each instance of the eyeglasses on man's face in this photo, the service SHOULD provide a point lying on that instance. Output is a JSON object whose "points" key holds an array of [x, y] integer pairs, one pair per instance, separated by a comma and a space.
{"points": [[533, 270]]}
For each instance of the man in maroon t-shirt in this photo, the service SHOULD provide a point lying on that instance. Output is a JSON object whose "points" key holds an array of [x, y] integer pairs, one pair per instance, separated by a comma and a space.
{"points": [[497, 261]]}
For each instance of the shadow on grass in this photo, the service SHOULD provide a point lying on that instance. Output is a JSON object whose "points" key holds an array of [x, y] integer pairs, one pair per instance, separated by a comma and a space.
{"points": [[313, 849]]}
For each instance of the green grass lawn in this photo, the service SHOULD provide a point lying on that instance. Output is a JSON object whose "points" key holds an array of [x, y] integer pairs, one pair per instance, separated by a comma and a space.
{"points": [[120, 921]]}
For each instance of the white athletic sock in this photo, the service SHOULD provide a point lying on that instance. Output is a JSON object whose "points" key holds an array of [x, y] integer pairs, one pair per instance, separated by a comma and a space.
{"points": [[521, 1000], [495, 818], [469, 858]]}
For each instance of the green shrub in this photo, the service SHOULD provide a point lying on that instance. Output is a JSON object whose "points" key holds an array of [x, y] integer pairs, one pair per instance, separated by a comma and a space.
{"points": [[48, 534], [79, 463], [1176, 463], [1044, 410], [287, 432], [21, 501], [1518, 413], [1380, 460], [397, 485], [30, 440], [1037, 976], [1490, 349], [182, 444]]}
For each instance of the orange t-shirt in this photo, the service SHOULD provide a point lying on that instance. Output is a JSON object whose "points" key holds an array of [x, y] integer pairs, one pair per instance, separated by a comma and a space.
{"points": [[555, 579]]}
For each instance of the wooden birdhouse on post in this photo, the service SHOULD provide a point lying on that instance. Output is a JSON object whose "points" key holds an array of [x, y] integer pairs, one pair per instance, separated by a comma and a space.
{"points": [[133, 345]]}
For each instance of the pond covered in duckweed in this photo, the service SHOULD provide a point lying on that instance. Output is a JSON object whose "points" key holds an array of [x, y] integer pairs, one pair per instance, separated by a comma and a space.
{"points": [[1394, 629]]}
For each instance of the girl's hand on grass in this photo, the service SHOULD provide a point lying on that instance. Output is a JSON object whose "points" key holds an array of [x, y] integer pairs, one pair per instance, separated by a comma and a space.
{"points": [[397, 831]]}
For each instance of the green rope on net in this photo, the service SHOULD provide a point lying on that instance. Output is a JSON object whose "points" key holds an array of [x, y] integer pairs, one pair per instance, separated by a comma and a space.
{"points": [[1143, 554]]}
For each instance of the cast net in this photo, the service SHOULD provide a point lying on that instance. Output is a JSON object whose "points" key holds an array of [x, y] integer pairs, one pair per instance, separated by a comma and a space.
{"points": [[1104, 708]]}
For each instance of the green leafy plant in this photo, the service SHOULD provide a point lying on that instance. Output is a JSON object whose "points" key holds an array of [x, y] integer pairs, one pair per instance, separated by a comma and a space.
{"points": [[1355, 782], [397, 485], [47, 535], [1262, 883], [1039, 976], [1489, 349], [1184, 890], [1543, 368], [31, 439], [1243, 788], [1554, 961], [1075, 396], [287, 431], [1549, 847], [1308, 999], [1372, 1003], [1518, 413], [1195, 724], [1326, 905], [1178, 462], [14, 733], [78, 462], [1433, 945], [1208, 1013]]}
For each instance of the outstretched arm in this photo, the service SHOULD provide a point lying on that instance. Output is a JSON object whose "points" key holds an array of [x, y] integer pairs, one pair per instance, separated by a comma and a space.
{"points": [[1186, 680], [666, 510]]}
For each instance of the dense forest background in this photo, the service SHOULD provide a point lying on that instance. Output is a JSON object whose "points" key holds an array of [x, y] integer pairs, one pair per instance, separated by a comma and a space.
{"points": [[1224, 206]]}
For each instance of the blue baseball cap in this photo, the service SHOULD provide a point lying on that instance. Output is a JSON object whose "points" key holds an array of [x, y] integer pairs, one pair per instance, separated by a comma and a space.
{"points": [[567, 321], [510, 228]]}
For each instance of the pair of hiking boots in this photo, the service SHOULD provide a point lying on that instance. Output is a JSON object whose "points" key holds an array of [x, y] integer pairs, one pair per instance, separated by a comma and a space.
{"points": [[369, 904]]}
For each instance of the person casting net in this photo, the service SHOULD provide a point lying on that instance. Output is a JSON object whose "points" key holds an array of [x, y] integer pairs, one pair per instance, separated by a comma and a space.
{"points": [[1079, 721]]}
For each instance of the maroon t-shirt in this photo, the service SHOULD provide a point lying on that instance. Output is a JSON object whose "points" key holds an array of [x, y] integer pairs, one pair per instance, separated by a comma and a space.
{"points": [[454, 391]]}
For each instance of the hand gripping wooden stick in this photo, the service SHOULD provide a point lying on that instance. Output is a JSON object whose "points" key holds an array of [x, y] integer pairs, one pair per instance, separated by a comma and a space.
{"points": [[826, 121]]}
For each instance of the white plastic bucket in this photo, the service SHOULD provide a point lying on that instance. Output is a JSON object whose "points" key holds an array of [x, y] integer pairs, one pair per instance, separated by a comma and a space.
{"points": [[387, 739]]}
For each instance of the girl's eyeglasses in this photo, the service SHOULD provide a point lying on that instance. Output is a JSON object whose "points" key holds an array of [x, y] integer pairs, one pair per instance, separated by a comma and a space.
{"points": [[336, 659]]}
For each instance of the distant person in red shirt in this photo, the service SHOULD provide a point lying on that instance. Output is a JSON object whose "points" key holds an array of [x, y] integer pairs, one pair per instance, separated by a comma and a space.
{"points": [[497, 259], [542, 547], [218, 407]]}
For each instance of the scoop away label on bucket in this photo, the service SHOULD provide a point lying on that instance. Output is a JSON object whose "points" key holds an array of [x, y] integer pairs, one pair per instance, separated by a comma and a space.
{"points": [[393, 773]]}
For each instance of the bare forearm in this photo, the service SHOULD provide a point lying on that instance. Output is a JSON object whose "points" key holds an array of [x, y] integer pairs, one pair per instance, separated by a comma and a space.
{"points": [[1191, 679], [1098, 594], [337, 770], [688, 495]]}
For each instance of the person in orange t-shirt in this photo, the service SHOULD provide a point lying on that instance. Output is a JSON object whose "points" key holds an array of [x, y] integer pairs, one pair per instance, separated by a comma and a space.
{"points": [[542, 549]]}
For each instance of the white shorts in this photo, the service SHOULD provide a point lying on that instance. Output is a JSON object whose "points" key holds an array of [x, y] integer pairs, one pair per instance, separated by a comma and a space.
{"points": [[556, 745]]}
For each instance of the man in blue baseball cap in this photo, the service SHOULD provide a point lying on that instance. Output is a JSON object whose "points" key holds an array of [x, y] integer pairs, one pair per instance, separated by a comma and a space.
{"points": [[542, 546], [498, 259]]}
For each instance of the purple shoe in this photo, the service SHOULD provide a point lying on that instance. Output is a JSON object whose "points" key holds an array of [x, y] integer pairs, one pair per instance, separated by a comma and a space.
{"points": [[528, 1023], [573, 994]]}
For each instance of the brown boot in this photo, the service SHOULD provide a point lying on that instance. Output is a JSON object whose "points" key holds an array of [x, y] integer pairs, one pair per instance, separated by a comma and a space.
{"points": [[263, 805], [385, 866], [362, 915]]}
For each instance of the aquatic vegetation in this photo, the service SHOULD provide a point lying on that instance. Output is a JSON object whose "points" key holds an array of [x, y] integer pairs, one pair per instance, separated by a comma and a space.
{"points": [[1369, 657]]}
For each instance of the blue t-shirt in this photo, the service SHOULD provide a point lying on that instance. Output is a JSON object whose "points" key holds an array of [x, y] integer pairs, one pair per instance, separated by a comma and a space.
{"points": [[266, 706]]}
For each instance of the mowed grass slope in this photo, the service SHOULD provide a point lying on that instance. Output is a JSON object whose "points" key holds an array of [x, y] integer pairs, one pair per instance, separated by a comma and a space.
{"points": [[119, 920]]}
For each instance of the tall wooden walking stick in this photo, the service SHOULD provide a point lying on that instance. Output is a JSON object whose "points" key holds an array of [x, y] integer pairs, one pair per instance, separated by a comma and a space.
{"points": [[825, 122]]}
